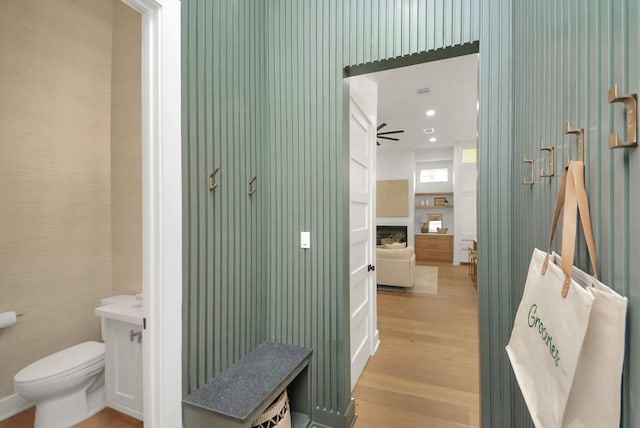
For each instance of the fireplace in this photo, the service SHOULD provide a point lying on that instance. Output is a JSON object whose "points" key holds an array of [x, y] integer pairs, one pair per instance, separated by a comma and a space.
{"points": [[383, 232]]}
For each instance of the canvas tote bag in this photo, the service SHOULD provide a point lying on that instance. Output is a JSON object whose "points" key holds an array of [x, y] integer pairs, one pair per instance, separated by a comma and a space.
{"points": [[594, 396], [549, 329], [594, 399]]}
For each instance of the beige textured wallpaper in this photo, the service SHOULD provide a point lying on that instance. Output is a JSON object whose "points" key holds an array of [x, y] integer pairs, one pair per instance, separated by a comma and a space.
{"points": [[55, 175], [126, 152]]}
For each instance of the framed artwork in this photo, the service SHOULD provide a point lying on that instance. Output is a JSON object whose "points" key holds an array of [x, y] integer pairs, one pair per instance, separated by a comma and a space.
{"points": [[439, 202], [392, 198]]}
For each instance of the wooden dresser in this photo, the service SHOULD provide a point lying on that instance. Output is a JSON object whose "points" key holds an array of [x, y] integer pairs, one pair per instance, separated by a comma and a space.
{"points": [[433, 247]]}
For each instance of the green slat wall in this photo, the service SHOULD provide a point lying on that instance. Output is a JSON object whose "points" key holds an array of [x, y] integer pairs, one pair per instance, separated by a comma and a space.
{"points": [[309, 44], [263, 91], [224, 124], [566, 56], [495, 172]]}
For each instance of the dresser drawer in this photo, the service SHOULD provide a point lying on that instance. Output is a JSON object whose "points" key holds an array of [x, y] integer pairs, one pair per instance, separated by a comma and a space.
{"points": [[436, 248]]}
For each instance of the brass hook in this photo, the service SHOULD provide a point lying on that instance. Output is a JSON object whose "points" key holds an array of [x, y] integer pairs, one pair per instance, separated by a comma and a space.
{"points": [[552, 155], [212, 184], [531, 162], [568, 129], [631, 103], [251, 189]]}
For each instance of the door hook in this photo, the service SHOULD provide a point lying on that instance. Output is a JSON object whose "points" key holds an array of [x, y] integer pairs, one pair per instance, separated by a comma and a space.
{"points": [[251, 189], [579, 132], [531, 162], [631, 103], [212, 183], [552, 155]]}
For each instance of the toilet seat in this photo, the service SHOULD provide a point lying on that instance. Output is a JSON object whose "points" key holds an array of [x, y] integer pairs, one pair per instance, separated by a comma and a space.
{"points": [[62, 364]]}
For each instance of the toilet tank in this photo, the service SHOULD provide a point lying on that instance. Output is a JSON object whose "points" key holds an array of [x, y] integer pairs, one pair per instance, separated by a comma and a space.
{"points": [[121, 298]]}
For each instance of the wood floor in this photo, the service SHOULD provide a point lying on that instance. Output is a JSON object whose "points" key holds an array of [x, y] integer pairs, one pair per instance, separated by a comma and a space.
{"points": [[108, 418], [426, 371]]}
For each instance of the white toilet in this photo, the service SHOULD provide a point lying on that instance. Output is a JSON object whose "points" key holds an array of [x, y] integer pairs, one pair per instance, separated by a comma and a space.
{"points": [[67, 386]]}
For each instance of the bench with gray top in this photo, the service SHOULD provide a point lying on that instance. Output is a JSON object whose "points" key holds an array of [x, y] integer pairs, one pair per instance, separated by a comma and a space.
{"points": [[238, 395]]}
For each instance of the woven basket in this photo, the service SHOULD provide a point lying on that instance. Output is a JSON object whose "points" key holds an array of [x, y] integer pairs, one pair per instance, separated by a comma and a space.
{"points": [[278, 415]]}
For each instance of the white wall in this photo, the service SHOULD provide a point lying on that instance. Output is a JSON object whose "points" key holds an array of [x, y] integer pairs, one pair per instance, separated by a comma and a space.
{"points": [[431, 155], [398, 165]]}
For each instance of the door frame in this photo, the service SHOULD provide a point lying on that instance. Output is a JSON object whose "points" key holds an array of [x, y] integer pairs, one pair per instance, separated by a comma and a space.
{"points": [[382, 65], [161, 211]]}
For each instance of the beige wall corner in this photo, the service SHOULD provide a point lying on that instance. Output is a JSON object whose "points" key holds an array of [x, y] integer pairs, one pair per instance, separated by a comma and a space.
{"points": [[126, 151]]}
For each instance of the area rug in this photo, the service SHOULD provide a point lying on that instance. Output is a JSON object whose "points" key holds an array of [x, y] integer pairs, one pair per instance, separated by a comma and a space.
{"points": [[426, 280]]}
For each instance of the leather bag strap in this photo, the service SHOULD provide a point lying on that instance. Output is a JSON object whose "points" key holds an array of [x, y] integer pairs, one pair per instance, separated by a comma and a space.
{"points": [[575, 199], [558, 208], [585, 215]]}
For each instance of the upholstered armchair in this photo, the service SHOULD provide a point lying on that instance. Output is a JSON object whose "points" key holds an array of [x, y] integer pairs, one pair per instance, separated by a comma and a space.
{"points": [[396, 266]]}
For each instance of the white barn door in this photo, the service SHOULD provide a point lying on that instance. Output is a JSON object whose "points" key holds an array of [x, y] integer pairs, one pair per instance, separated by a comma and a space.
{"points": [[362, 132]]}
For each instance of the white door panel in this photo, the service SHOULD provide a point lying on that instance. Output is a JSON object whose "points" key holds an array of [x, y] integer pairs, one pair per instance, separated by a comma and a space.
{"points": [[362, 131], [357, 216], [359, 256], [358, 292]]}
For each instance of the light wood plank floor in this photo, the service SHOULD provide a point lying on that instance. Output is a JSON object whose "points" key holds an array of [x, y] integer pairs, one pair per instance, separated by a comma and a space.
{"points": [[108, 418], [426, 371]]}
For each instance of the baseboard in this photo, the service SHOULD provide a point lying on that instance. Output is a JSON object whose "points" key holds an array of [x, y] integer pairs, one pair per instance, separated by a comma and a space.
{"points": [[12, 405], [328, 419]]}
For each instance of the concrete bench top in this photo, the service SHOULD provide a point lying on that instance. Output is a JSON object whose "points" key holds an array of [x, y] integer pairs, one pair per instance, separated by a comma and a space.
{"points": [[244, 390]]}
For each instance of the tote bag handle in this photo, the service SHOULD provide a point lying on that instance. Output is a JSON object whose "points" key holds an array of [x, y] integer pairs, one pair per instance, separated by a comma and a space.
{"points": [[572, 194]]}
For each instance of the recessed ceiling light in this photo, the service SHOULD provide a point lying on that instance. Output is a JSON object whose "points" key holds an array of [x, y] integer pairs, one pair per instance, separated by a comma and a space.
{"points": [[431, 113], [433, 139]]}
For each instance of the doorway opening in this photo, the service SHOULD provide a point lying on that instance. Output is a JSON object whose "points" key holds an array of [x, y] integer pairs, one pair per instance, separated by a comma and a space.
{"points": [[422, 179]]}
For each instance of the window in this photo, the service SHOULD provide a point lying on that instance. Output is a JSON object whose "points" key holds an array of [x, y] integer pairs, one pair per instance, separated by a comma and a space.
{"points": [[434, 175]]}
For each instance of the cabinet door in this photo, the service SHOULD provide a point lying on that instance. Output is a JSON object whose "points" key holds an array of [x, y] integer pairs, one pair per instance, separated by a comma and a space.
{"points": [[123, 369], [421, 247], [434, 248]]}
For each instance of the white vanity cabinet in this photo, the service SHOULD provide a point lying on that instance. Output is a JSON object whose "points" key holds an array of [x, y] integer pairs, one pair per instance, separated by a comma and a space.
{"points": [[122, 321], [123, 367]]}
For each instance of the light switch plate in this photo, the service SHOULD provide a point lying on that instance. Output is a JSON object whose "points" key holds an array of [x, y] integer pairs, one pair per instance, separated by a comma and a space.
{"points": [[305, 239]]}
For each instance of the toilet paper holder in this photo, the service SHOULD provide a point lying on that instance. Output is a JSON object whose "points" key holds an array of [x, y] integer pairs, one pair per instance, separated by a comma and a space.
{"points": [[8, 319]]}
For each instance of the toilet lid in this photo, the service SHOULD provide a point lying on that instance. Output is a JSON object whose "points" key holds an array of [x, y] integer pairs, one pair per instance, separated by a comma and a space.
{"points": [[71, 359]]}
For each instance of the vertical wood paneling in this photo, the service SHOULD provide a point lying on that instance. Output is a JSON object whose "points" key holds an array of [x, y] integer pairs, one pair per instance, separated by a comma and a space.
{"points": [[263, 91], [632, 372], [496, 170], [223, 124], [309, 44], [598, 41]]}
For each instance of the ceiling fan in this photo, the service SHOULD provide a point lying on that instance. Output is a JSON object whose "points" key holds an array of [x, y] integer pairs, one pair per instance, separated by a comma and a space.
{"points": [[384, 135]]}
